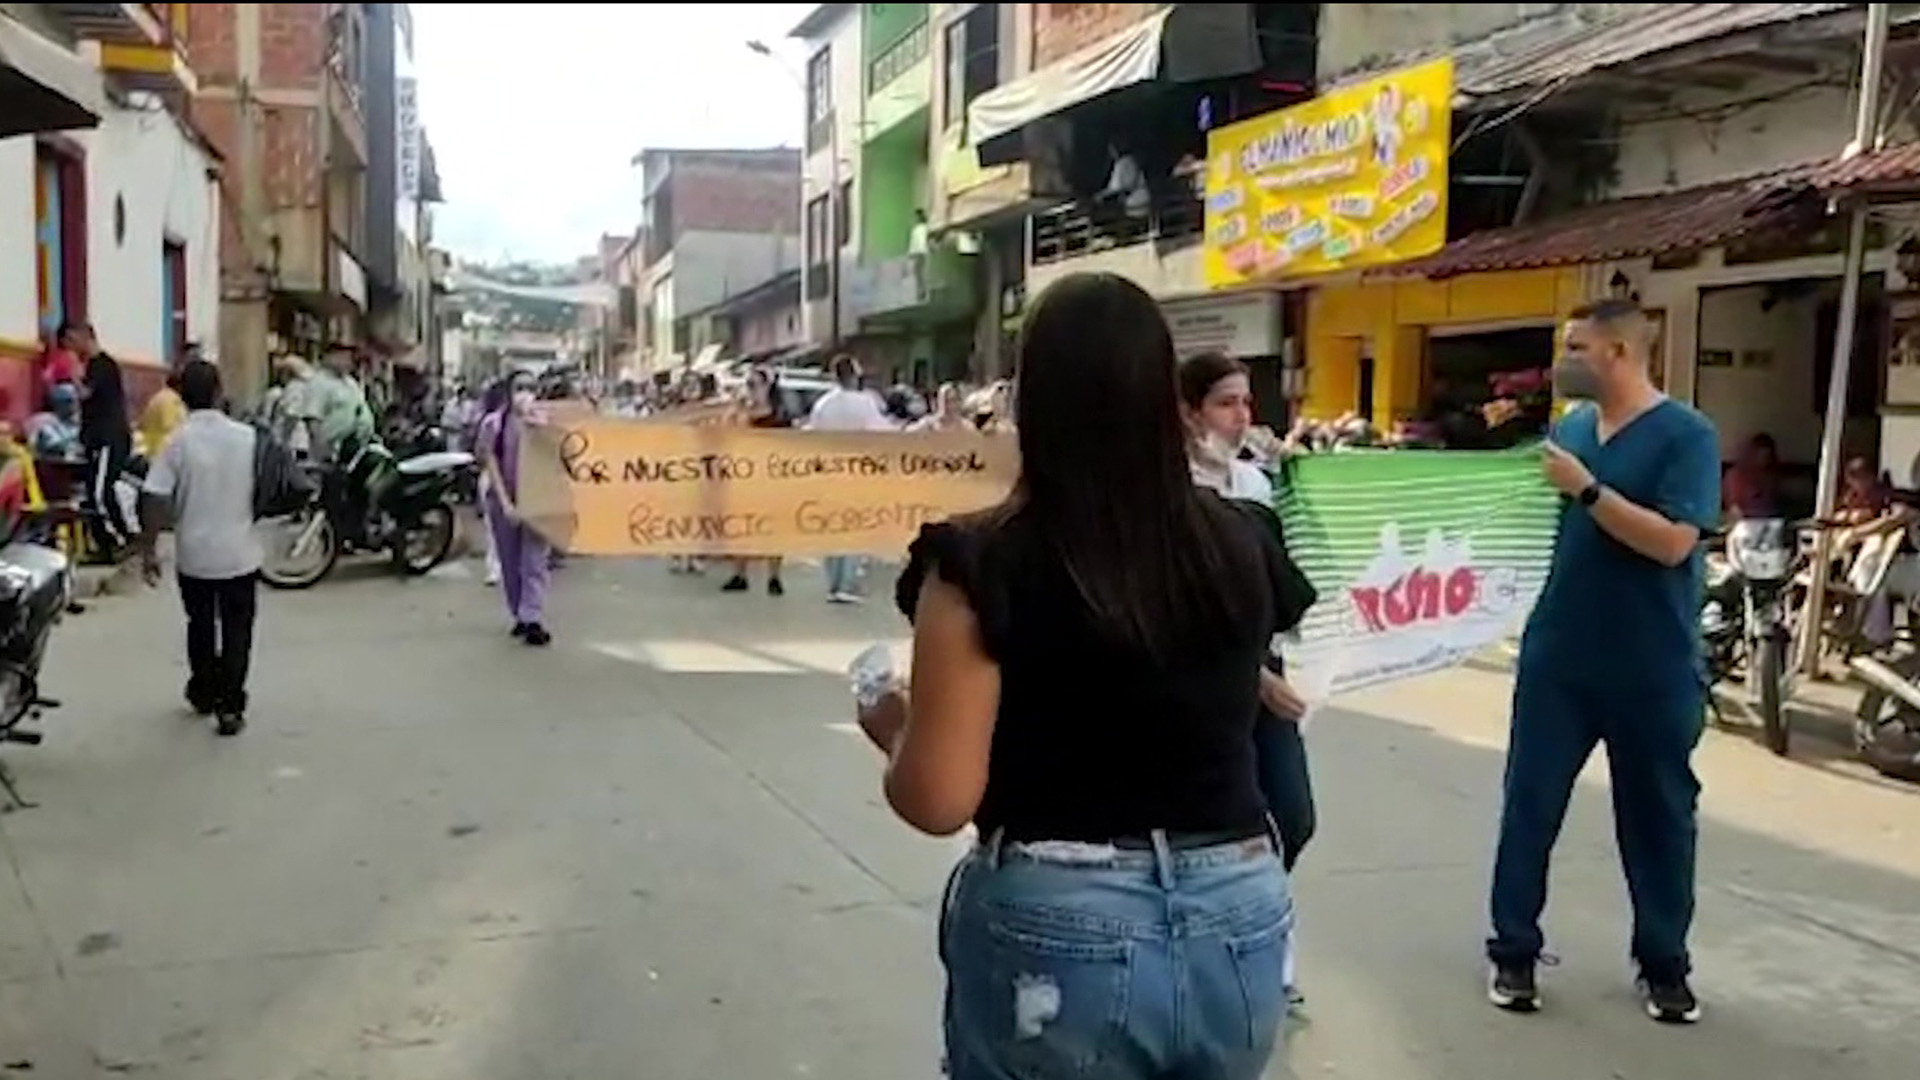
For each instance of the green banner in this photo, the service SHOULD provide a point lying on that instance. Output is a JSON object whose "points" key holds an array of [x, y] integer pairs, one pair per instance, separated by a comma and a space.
{"points": [[1422, 558]]}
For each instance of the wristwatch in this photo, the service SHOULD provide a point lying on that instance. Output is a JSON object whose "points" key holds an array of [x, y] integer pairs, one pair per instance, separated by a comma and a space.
{"points": [[1591, 493]]}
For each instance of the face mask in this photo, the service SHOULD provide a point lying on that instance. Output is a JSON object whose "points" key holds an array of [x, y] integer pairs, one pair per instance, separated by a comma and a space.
{"points": [[1214, 447], [522, 400], [1573, 379]]}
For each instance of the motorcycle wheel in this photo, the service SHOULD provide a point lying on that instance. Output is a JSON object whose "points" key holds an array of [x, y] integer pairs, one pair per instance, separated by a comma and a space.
{"points": [[278, 571], [1769, 665], [1885, 740], [428, 543]]}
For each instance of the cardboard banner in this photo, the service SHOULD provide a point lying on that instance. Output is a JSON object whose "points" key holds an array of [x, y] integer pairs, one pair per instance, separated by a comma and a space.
{"points": [[606, 486]]}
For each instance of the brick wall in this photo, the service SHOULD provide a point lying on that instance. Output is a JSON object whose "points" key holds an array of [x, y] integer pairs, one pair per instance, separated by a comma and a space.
{"points": [[722, 199], [291, 49], [293, 42], [1059, 29]]}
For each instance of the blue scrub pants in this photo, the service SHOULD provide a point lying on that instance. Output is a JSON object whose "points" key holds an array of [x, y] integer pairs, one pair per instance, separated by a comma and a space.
{"points": [[1650, 736]]}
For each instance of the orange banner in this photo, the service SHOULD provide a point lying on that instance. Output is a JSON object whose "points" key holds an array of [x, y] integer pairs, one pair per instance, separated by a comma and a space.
{"points": [[603, 486]]}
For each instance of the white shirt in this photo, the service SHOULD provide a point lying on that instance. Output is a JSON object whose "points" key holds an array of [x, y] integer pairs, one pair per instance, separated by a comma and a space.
{"points": [[1241, 480], [840, 409], [206, 471]]}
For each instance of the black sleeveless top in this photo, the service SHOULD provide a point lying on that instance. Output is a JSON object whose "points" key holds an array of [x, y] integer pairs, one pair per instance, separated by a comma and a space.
{"points": [[1093, 741]]}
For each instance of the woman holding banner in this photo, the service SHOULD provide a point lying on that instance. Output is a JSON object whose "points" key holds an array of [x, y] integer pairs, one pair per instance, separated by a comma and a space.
{"points": [[1218, 402], [1086, 673], [525, 557], [764, 406]]}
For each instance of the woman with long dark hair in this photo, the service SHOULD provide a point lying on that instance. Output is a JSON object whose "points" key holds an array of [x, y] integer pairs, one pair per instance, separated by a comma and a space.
{"points": [[763, 405], [1217, 398], [1087, 667]]}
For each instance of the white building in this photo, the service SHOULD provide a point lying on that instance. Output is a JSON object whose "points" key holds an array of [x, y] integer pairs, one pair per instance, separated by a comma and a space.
{"points": [[836, 91], [119, 225]]}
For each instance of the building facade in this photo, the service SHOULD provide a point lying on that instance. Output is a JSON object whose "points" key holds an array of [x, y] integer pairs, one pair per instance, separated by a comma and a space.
{"points": [[113, 216], [715, 223], [283, 97]]}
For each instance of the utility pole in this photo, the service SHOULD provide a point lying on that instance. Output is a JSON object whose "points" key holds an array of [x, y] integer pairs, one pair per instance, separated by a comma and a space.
{"points": [[1873, 54]]}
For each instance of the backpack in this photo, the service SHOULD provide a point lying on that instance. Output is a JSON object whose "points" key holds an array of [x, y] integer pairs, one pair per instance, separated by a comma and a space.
{"points": [[280, 485]]}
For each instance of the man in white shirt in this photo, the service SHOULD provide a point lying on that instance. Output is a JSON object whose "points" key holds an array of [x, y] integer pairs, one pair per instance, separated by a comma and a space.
{"points": [[846, 407], [202, 481]]}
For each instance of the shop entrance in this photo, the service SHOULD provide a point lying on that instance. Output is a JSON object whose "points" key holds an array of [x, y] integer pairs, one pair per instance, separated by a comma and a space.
{"points": [[1469, 370]]}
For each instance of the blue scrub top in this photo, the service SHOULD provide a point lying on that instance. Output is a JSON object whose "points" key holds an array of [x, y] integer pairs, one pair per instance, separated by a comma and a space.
{"points": [[1608, 617]]}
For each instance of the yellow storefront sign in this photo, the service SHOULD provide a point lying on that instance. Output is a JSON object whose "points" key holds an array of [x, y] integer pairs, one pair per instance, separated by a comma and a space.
{"points": [[1357, 177]]}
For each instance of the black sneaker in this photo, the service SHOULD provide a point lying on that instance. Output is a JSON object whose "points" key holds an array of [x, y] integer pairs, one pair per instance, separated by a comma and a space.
{"points": [[1513, 987], [229, 724], [736, 583], [1669, 1001], [537, 635], [520, 629], [774, 588]]}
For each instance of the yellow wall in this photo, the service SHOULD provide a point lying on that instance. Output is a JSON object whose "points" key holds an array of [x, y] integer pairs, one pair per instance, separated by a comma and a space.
{"points": [[1394, 316]]}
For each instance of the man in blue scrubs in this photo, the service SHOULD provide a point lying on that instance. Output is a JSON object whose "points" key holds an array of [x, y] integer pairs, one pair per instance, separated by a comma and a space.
{"points": [[1611, 654]]}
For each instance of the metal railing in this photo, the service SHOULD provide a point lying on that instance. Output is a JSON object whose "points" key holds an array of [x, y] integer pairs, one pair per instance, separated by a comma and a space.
{"points": [[1172, 219]]}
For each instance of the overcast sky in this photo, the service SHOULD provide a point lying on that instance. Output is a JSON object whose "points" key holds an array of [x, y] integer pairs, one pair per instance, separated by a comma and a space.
{"points": [[536, 111]]}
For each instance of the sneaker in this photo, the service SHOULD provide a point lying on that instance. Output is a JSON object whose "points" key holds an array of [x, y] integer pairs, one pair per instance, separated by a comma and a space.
{"points": [[537, 635], [229, 724], [1669, 1001], [1513, 987], [774, 588], [736, 583], [520, 629], [1296, 1000]]}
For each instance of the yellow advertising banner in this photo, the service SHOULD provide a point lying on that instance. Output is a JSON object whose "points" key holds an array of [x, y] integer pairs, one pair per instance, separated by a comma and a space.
{"points": [[604, 486], [1356, 177]]}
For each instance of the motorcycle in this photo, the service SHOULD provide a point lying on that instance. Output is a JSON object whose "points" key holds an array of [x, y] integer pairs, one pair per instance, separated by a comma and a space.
{"points": [[1744, 622], [36, 590], [372, 502]]}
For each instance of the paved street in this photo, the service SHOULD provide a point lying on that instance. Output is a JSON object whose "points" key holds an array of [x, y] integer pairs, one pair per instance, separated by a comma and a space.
{"points": [[657, 851]]}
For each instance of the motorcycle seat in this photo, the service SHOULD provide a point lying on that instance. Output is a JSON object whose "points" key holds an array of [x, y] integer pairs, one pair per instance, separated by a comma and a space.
{"points": [[438, 461]]}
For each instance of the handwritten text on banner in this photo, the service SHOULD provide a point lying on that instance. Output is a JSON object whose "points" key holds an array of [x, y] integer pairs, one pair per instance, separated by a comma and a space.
{"points": [[1356, 177], [618, 487]]}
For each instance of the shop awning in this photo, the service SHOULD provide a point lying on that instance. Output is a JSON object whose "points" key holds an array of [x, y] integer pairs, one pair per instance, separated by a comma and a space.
{"points": [[1624, 229], [43, 87], [1678, 221], [1183, 42]]}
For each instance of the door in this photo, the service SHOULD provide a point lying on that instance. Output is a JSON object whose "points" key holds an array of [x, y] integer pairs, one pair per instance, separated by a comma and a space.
{"points": [[173, 298]]}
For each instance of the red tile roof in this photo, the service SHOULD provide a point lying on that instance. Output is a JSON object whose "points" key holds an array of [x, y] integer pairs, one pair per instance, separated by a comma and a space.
{"points": [[1687, 220]]}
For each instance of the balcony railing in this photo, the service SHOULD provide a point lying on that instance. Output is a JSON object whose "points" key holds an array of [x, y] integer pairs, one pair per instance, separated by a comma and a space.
{"points": [[895, 60], [1173, 219], [929, 286]]}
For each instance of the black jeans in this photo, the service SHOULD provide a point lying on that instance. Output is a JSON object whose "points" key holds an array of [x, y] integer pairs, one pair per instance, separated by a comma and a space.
{"points": [[220, 615], [1280, 753], [104, 466]]}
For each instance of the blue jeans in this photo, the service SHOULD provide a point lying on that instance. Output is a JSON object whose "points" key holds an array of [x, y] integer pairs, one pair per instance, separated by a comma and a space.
{"points": [[843, 574], [1083, 960]]}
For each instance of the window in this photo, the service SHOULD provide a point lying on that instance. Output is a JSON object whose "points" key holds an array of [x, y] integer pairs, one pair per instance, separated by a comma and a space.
{"points": [[820, 85], [843, 216], [818, 246], [820, 99], [973, 60], [173, 298], [59, 234]]}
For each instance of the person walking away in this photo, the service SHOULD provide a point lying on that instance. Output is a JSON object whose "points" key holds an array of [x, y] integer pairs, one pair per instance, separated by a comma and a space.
{"points": [[1611, 655], [765, 407], [165, 411], [525, 566], [1087, 663], [846, 407], [106, 434], [202, 481], [1218, 401]]}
